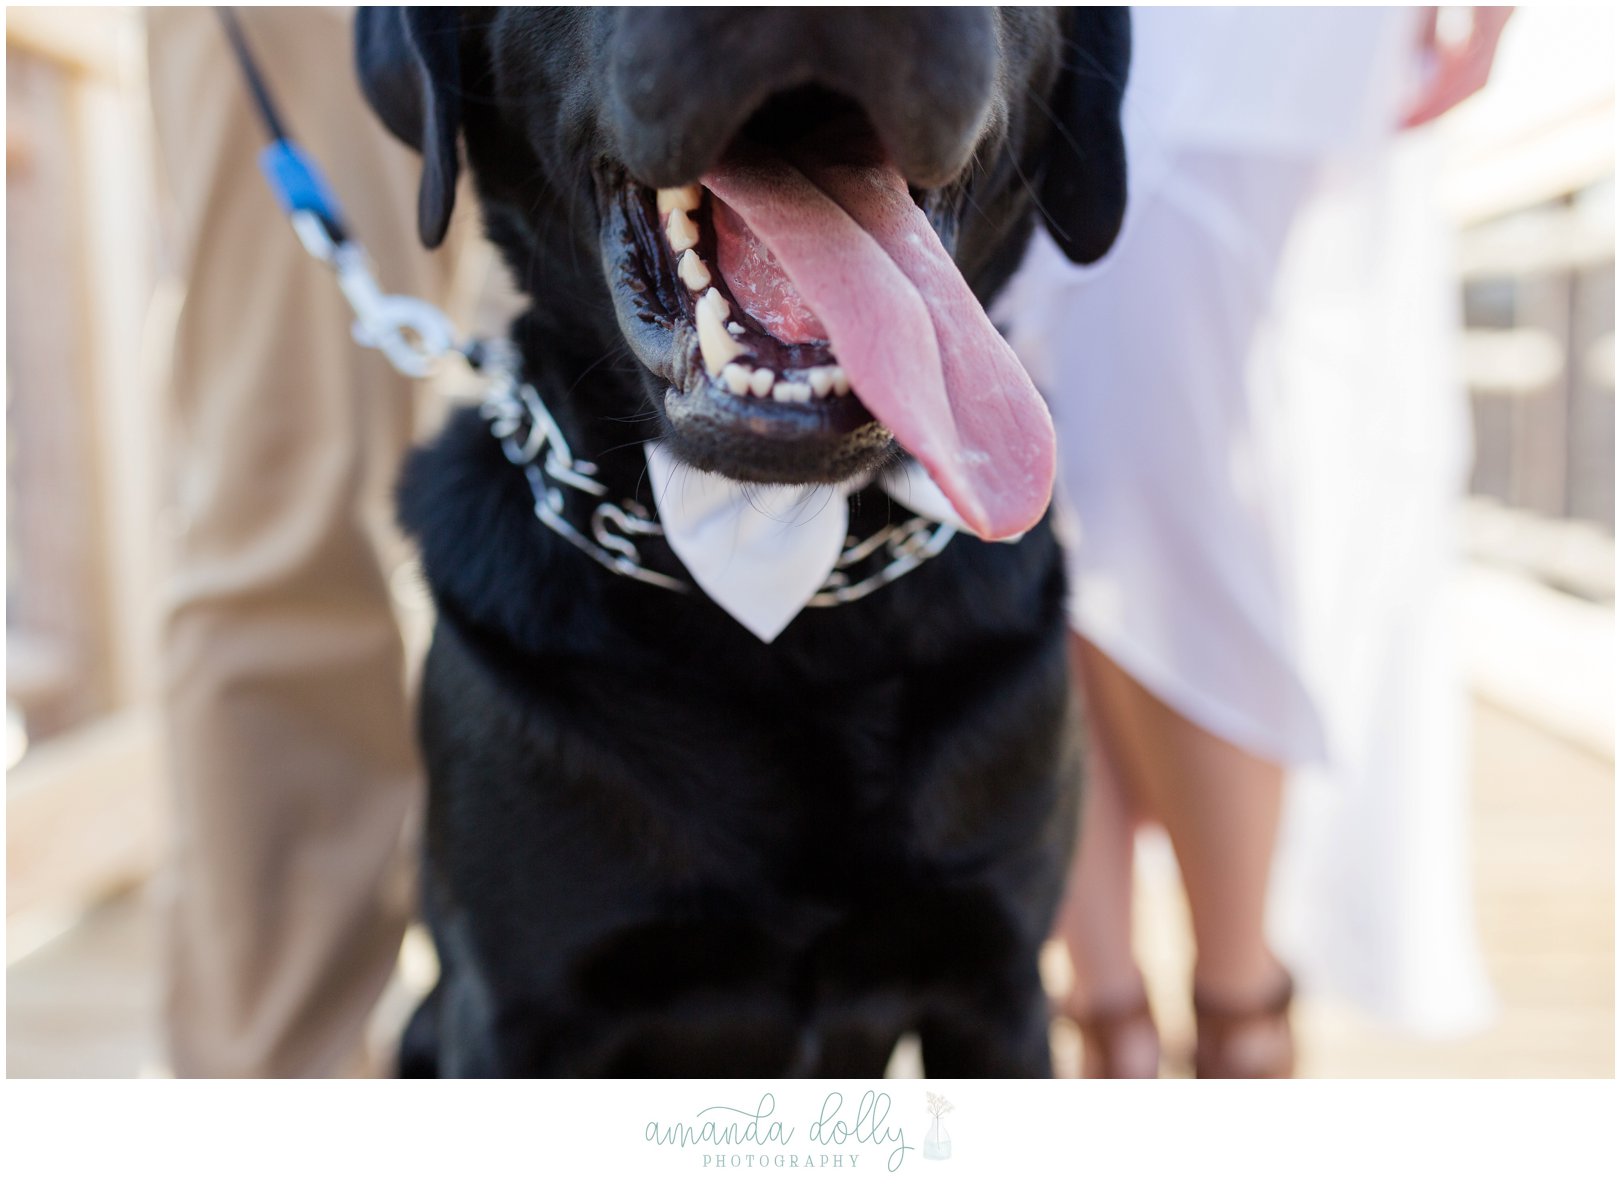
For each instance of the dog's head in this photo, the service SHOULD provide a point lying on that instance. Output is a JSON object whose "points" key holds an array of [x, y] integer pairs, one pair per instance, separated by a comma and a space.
{"points": [[778, 209]]}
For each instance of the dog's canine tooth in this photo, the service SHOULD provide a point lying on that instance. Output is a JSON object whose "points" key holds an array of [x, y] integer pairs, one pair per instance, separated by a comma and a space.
{"points": [[717, 305], [841, 382], [681, 231], [821, 380], [678, 198], [693, 271], [718, 347], [736, 377], [760, 383], [791, 390]]}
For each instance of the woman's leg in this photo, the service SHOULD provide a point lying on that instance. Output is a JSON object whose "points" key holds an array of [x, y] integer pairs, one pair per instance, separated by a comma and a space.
{"points": [[1220, 805], [1095, 921]]}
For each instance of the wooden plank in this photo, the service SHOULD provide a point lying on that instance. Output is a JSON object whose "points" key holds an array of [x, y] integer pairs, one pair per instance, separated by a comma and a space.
{"points": [[93, 40], [55, 542], [86, 815], [116, 226], [1544, 656], [1573, 151]]}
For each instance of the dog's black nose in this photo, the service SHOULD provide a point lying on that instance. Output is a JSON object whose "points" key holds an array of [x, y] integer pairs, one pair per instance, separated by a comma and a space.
{"points": [[683, 81]]}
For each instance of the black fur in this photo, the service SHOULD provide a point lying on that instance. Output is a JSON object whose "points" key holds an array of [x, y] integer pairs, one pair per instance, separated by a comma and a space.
{"points": [[656, 845]]}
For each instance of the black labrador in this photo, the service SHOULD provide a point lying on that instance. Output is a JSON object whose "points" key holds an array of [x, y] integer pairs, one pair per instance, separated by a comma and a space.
{"points": [[655, 844]]}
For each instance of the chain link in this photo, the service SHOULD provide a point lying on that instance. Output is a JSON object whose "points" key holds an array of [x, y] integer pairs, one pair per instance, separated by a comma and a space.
{"points": [[608, 533]]}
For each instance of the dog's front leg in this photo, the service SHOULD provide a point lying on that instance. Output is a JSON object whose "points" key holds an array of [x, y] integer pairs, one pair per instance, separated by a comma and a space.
{"points": [[1001, 1038]]}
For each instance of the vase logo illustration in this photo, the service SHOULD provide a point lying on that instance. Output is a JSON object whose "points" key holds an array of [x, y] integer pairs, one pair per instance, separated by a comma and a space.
{"points": [[937, 1144]]}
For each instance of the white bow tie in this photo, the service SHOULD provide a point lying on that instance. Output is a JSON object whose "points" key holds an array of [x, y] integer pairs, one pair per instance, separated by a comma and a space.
{"points": [[762, 552]]}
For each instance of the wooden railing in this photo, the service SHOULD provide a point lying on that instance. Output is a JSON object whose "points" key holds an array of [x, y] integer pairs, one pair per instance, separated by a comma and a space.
{"points": [[85, 799]]}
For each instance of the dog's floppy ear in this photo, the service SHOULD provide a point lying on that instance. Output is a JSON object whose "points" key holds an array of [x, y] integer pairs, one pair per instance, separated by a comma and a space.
{"points": [[409, 61], [1083, 183]]}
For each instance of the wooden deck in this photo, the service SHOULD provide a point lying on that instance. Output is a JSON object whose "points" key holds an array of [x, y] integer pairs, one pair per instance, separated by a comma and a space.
{"points": [[84, 1003], [1544, 831]]}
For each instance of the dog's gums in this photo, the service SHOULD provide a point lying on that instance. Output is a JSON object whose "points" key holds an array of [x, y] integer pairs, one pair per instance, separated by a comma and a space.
{"points": [[730, 350], [736, 343], [781, 410]]}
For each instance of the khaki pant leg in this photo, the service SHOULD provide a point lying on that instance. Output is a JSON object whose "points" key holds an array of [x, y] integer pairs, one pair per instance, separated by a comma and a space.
{"points": [[293, 763]]}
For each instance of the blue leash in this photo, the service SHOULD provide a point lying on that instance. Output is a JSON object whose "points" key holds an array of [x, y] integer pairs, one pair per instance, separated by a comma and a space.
{"points": [[413, 334], [294, 177]]}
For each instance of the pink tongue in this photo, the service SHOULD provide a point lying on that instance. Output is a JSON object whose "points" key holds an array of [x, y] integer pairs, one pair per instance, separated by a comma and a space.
{"points": [[757, 280], [917, 346]]}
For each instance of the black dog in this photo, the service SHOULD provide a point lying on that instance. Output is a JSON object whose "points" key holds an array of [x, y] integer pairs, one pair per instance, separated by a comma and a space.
{"points": [[657, 845]]}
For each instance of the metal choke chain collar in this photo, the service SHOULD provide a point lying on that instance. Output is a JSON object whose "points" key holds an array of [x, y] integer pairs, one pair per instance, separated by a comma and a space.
{"points": [[572, 502]]}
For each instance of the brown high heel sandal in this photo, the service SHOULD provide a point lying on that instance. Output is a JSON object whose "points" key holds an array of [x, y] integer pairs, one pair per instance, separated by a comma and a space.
{"points": [[1102, 1033], [1219, 1028]]}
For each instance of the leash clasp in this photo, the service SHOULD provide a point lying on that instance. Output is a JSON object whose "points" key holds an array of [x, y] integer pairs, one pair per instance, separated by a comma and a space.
{"points": [[413, 334]]}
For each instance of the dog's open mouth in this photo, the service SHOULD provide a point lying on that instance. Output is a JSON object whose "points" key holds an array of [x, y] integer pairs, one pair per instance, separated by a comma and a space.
{"points": [[776, 347], [809, 319]]}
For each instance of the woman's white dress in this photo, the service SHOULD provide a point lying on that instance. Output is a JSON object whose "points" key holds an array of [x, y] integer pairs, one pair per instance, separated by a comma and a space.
{"points": [[1262, 441]]}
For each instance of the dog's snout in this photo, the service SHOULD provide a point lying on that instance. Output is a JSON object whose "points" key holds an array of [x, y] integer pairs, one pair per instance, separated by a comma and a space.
{"points": [[683, 82]]}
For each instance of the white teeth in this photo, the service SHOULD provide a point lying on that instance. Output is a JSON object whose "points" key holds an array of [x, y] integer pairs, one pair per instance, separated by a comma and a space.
{"points": [[740, 379], [681, 198], [717, 337], [681, 231], [720, 349], [791, 390], [717, 306], [717, 347], [760, 385], [694, 271]]}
